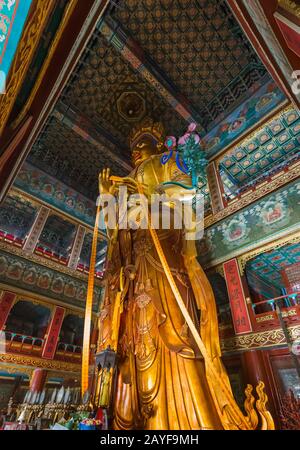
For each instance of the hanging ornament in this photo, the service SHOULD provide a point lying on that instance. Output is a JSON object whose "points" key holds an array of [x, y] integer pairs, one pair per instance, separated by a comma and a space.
{"points": [[190, 156]]}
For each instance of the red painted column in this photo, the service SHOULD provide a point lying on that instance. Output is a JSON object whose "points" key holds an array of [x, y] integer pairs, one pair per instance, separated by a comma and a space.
{"points": [[237, 297], [38, 380], [53, 333], [6, 303], [216, 189], [255, 371]]}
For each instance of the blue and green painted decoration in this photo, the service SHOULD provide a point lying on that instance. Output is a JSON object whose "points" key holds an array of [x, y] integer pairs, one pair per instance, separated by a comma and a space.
{"points": [[268, 266], [13, 14], [278, 141], [190, 157]]}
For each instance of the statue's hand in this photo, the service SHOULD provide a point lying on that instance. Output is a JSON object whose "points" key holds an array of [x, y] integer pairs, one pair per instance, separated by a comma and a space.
{"points": [[106, 185], [131, 185]]}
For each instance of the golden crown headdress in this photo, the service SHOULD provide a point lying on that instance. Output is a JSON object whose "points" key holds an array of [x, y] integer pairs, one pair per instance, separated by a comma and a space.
{"points": [[147, 127]]}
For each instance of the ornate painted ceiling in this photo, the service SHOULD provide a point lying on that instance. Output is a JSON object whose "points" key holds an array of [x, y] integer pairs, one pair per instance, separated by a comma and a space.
{"points": [[145, 59], [268, 266], [17, 216], [107, 90], [272, 145], [55, 194], [63, 154], [175, 61], [198, 46]]}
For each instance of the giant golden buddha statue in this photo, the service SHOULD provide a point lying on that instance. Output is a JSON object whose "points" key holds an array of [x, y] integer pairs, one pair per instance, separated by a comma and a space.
{"points": [[164, 381]]}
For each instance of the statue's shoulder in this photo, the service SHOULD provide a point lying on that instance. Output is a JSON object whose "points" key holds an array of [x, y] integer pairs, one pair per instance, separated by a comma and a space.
{"points": [[170, 163]]}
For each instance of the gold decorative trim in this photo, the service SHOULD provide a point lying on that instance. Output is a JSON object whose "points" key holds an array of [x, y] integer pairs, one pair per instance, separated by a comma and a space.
{"points": [[65, 19], [278, 180], [25, 51], [264, 318], [10, 368], [290, 6], [262, 339], [30, 361], [289, 239], [220, 270]]}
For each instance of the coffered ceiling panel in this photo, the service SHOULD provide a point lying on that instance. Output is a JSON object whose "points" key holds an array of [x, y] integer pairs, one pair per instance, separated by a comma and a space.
{"points": [[65, 155], [269, 266], [199, 46], [110, 93], [267, 149]]}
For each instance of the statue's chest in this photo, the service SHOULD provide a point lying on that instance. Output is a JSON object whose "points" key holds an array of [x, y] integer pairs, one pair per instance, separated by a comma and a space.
{"points": [[150, 175]]}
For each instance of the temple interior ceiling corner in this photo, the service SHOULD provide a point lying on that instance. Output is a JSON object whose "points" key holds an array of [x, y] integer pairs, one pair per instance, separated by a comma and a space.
{"points": [[78, 296], [107, 95]]}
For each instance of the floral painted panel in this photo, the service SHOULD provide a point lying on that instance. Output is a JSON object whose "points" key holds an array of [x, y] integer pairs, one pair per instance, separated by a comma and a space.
{"points": [[261, 103], [25, 274], [43, 186], [267, 219]]}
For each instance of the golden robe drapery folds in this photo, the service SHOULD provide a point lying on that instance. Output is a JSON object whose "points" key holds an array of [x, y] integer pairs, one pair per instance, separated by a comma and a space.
{"points": [[161, 381]]}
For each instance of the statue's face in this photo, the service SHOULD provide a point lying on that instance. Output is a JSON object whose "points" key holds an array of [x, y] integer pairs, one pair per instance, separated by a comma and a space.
{"points": [[143, 150]]}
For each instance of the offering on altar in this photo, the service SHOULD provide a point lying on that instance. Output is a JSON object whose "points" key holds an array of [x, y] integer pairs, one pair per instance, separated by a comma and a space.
{"points": [[90, 424]]}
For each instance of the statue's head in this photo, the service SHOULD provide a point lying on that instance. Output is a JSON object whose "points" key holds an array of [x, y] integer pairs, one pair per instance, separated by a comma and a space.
{"points": [[146, 140]]}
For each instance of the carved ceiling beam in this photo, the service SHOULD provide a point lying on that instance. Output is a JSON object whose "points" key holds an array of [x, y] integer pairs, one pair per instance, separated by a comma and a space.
{"points": [[42, 261], [257, 20], [148, 70], [260, 340]]}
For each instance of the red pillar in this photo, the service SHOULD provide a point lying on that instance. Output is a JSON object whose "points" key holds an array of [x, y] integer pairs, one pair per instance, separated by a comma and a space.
{"points": [[237, 297], [6, 303], [53, 333], [38, 380], [254, 370]]}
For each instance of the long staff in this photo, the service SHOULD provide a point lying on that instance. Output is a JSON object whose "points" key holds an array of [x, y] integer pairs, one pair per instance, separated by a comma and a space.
{"points": [[235, 411], [88, 310]]}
